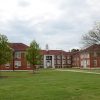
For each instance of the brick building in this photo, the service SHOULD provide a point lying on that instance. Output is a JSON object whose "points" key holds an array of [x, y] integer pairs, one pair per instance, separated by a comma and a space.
{"points": [[90, 57], [56, 59], [18, 61], [87, 58], [50, 58], [76, 59]]}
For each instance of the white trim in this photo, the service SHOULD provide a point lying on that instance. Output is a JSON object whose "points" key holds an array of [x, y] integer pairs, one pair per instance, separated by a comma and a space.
{"points": [[45, 66]]}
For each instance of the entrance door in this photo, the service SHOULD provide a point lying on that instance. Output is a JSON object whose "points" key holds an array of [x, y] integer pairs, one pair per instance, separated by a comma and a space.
{"points": [[49, 64], [85, 64]]}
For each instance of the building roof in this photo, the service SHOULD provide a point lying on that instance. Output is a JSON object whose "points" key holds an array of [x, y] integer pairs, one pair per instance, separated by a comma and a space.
{"points": [[54, 52], [18, 46], [95, 47]]}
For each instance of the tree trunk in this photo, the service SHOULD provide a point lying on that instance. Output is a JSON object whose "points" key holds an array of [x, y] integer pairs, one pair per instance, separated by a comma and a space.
{"points": [[33, 69], [0, 72]]}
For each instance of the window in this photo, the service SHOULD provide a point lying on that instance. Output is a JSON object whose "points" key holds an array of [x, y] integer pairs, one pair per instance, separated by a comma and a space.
{"points": [[63, 57], [68, 57], [55, 57], [95, 54], [55, 62], [58, 62], [68, 61], [88, 62], [28, 65], [7, 65], [95, 62], [58, 57], [48, 57], [17, 54], [17, 64], [64, 61]]}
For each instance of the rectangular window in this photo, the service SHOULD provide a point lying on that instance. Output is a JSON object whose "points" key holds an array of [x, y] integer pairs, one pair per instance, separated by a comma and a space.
{"points": [[58, 57], [95, 54], [28, 65], [7, 65], [17, 64], [55, 61], [64, 61], [68, 61], [88, 62], [58, 62], [18, 55], [48, 57], [68, 57], [95, 62], [64, 57]]}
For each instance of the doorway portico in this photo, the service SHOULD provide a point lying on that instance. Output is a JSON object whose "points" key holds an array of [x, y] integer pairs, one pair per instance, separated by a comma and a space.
{"points": [[49, 61]]}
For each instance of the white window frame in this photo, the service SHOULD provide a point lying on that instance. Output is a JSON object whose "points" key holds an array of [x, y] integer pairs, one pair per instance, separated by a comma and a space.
{"points": [[68, 61], [17, 64], [18, 55], [95, 63], [28, 65], [58, 57], [58, 61], [7, 65]]}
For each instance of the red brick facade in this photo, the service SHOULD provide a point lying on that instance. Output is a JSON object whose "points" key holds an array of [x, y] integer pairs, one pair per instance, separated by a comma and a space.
{"points": [[87, 58], [90, 57], [55, 58]]}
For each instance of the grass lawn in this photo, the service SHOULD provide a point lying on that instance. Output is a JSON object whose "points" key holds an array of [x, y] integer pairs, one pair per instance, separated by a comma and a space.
{"points": [[49, 85]]}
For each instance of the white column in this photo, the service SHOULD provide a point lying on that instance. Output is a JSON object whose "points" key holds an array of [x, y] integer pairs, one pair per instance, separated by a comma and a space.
{"points": [[45, 61], [53, 65]]}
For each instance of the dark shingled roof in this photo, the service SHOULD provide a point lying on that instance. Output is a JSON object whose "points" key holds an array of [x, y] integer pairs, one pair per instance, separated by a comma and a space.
{"points": [[95, 47], [18, 46], [54, 52]]}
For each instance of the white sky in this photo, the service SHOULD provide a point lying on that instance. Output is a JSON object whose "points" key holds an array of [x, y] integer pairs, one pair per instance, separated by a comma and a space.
{"points": [[58, 23]]}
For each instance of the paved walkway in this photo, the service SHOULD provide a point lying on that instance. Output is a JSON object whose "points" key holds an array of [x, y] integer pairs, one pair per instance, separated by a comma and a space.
{"points": [[81, 71]]}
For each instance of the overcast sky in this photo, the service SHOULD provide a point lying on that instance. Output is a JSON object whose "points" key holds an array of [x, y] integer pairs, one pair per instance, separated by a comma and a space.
{"points": [[58, 23]]}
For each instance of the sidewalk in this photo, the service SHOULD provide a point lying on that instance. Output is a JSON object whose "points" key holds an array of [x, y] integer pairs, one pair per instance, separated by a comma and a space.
{"points": [[81, 71]]}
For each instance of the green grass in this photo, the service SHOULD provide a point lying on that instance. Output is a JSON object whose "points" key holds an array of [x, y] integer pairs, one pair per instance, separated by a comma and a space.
{"points": [[49, 85]]}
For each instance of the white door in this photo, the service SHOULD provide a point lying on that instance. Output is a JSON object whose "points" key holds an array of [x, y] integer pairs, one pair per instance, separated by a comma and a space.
{"points": [[85, 64], [48, 64]]}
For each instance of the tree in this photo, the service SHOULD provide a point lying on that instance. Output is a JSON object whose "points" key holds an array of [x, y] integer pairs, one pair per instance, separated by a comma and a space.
{"points": [[74, 50], [93, 36], [33, 55], [5, 50]]}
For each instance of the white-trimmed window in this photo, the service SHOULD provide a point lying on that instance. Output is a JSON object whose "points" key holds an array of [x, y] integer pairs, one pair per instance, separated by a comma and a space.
{"points": [[18, 55], [68, 61], [64, 61], [55, 61], [28, 65], [58, 61], [95, 62], [68, 57], [17, 64], [88, 62], [95, 54], [7, 65], [58, 57], [64, 57]]}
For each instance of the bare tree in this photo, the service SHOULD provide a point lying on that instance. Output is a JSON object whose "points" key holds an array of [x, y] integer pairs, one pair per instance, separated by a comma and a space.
{"points": [[93, 36]]}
